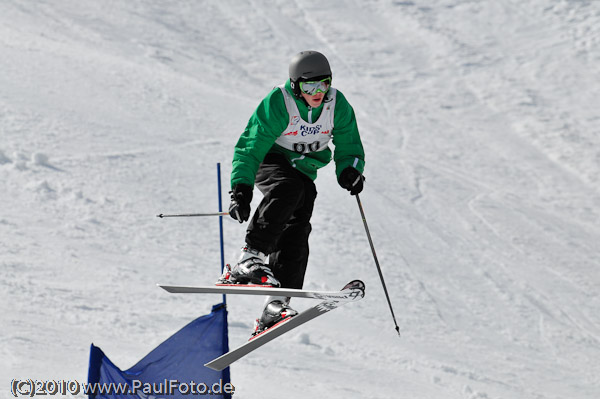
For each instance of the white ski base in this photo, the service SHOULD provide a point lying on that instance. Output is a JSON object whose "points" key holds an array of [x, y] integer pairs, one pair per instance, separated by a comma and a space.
{"points": [[343, 295]]}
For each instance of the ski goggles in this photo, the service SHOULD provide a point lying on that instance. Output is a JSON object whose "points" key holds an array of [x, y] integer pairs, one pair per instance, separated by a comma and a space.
{"points": [[314, 87]]}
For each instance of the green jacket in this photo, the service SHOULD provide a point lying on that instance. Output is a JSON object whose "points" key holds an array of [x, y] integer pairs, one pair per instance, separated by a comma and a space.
{"points": [[271, 119]]}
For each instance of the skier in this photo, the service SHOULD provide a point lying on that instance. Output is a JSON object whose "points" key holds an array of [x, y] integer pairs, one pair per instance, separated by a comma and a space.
{"points": [[281, 149]]}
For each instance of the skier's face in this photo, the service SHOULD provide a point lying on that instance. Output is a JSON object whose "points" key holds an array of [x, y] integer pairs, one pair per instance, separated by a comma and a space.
{"points": [[315, 100]]}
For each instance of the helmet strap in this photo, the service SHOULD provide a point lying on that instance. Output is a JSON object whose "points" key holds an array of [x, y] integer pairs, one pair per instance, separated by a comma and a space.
{"points": [[296, 89]]}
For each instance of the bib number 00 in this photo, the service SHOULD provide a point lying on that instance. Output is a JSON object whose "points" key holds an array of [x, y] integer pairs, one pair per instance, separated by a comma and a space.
{"points": [[305, 148]]}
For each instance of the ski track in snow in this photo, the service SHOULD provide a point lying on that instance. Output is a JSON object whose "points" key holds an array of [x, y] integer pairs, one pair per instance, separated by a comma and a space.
{"points": [[480, 125]]}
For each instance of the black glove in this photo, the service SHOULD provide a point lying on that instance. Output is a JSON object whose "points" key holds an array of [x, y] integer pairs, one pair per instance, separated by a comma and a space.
{"points": [[351, 180], [241, 196]]}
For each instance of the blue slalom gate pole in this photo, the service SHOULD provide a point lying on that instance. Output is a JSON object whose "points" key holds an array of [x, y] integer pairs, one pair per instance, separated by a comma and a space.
{"points": [[227, 374], [221, 223]]}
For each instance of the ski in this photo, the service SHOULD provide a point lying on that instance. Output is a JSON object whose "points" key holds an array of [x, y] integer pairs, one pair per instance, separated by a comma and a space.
{"points": [[353, 291], [346, 294]]}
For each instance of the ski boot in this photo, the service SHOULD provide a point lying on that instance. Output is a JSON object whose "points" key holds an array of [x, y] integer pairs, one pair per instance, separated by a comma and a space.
{"points": [[250, 269], [276, 310]]}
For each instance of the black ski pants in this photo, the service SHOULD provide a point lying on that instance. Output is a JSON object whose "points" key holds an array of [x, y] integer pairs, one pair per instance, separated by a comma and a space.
{"points": [[280, 225]]}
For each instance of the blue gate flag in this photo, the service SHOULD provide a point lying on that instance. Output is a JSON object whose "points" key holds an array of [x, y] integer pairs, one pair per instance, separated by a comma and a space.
{"points": [[174, 369]]}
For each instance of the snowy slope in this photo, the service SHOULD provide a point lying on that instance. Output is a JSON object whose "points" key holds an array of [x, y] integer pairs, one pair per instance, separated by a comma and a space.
{"points": [[480, 123]]}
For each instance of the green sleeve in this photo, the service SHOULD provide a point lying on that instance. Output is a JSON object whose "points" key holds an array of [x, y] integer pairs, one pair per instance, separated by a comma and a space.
{"points": [[346, 138], [266, 124]]}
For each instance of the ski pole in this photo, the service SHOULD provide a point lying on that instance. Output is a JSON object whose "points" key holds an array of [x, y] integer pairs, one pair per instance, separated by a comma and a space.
{"points": [[182, 215], [362, 213]]}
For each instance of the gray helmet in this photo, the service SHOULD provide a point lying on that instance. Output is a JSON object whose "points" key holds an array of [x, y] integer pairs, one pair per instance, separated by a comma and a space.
{"points": [[308, 65]]}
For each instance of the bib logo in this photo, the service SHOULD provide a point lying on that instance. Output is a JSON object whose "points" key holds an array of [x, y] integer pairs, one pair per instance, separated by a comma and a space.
{"points": [[295, 120], [310, 130]]}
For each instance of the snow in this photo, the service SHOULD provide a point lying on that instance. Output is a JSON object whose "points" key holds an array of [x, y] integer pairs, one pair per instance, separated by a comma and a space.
{"points": [[480, 124]]}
